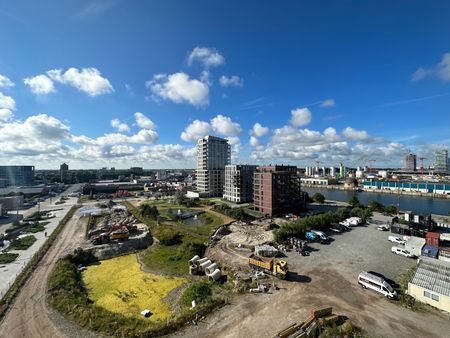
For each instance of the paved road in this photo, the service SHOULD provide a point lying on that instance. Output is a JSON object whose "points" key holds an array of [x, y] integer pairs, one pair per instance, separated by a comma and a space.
{"points": [[29, 315]]}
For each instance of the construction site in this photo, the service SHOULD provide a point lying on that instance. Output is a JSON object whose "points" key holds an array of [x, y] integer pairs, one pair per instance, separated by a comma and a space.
{"points": [[112, 230]]}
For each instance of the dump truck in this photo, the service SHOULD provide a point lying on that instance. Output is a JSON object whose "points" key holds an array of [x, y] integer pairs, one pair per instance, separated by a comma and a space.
{"points": [[270, 266]]}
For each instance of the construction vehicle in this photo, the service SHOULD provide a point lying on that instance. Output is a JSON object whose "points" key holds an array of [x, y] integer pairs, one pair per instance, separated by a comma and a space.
{"points": [[270, 266], [122, 233]]}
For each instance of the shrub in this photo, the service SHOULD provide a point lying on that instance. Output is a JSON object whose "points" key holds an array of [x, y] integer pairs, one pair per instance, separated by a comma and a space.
{"points": [[318, 198], [376, 206], [354, 202], [391, 209], [6, 258], [22, 243], [148, 210], [200, 292], [169, 237]]}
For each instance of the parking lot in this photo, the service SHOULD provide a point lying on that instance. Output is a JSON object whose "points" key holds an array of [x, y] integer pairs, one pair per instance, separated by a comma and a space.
{"points": [[328, 277], [361, 248]]}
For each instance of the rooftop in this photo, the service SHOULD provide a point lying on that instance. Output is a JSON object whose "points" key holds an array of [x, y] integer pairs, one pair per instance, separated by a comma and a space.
{"points": [[433, 275]]}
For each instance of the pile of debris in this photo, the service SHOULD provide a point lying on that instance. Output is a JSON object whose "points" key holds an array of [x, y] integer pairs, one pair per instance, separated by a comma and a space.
{"points": [[313, 326], [248, 235], [204, 265], [117, 225]]}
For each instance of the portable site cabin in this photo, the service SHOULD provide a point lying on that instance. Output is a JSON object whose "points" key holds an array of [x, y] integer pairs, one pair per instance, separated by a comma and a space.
{"points": [[430, 251], [414, 245]]}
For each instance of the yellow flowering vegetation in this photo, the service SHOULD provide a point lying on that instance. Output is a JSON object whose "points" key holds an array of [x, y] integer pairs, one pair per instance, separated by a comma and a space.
{"points": [[119, 285]]}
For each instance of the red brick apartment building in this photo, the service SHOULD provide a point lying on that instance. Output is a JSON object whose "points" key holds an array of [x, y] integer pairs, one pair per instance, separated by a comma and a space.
{"points": [[276, 189]]}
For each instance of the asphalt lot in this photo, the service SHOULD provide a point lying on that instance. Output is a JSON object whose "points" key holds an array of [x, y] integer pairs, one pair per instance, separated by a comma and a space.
{"points": [[362, 248]]}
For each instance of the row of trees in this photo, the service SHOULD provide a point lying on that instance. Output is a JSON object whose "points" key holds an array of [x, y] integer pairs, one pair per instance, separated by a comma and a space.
{"points": [[299, 227], [236, 213]]}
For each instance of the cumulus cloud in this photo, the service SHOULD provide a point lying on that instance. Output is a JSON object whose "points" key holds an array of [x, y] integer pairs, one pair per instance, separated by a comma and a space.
{"points": [[300, 117], [40, 84], [7, 106], [5, 82], [222, 125], [232, 81], [119, 126], [197, 129], [208, 57], [328, 103], [259, 131], [441, 70], [143, 121], [360, 135], [225, 126], [87, 80], [179, 88], [38, 134]]}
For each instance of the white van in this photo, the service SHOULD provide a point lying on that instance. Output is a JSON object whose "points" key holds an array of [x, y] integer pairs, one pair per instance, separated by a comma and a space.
{"points": [[395, 239], [376, 283], [402, 252]]}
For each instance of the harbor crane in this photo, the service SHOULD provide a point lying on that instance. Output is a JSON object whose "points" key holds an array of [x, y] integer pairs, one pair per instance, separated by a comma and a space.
{"points": [[421, 164]]}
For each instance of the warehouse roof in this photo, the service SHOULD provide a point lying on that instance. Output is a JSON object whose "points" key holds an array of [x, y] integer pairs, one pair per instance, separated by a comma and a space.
{"points": [[433, 275]]}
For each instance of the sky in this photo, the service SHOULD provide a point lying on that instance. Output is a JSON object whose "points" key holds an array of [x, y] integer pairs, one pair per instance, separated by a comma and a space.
{"points": [[110, 83]]}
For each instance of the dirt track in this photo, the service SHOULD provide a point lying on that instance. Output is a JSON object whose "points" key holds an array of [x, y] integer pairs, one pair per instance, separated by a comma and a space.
{"points": [[29, 315]]}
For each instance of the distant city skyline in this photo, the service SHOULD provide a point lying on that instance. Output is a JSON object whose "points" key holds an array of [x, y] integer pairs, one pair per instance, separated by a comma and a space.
{"points": [[122, 84]]}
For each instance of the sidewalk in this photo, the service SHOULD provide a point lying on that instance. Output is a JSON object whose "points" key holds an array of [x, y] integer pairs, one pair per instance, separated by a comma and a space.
{"points": [[9, 272]]}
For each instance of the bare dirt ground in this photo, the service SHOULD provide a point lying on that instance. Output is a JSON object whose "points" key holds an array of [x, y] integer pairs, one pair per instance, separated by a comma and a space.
{"points": [[326, 278], [29, 316]]}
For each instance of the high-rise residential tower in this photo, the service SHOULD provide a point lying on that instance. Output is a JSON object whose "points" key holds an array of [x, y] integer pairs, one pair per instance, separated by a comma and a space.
{"points": [[213, 154], [410, 162], [441, 161], [276, 189], [238, 186]]}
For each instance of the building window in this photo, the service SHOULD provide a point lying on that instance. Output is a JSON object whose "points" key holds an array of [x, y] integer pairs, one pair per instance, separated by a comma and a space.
{"points": [[431, 295], [427, 294], [435, 297]]}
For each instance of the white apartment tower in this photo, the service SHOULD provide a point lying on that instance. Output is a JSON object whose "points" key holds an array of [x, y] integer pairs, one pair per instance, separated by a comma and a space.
{"points": [[238, 186], [213, 154]]}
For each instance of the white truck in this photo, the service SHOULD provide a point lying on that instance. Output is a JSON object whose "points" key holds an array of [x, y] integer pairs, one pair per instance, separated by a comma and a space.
{"points": [[376, 283]]}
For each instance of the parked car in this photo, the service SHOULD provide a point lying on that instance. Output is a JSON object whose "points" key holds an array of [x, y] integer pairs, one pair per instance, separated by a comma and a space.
{"points": [[395, 239], [383, 228], [402, 252], [336, 229]]}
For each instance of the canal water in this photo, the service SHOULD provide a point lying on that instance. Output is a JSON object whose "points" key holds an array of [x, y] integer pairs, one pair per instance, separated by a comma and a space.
{"points": [[417, 204]]}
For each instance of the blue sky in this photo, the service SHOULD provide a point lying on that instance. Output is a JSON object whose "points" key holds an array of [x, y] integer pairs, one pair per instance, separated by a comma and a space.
{"points": [[332, 81]]}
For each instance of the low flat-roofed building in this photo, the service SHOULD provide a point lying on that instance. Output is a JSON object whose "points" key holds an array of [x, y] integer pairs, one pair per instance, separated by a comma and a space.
{"points": [[430, 283], [414, 245]]}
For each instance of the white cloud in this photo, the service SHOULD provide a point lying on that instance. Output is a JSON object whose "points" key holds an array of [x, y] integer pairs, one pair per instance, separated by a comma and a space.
{"points": [[5, 82], [179, 88], [87, 80], [143, 121], [208, 57], [219, 124], [7, 106], [328, 103], [225, 126], [441, 70], [119, 126], [232, 81], [197, 129], [355, 135], [300, 117], [259, 131], [40, 84], [37, 135], [254, 142]]}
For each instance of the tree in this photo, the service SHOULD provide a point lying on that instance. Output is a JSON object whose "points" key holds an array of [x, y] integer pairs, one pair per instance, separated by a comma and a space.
{"points": [[180, 198], [148, 210], [376, 206], [364, 214], [341, 214], [354, 202], [318, 198], [391, 209]]}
